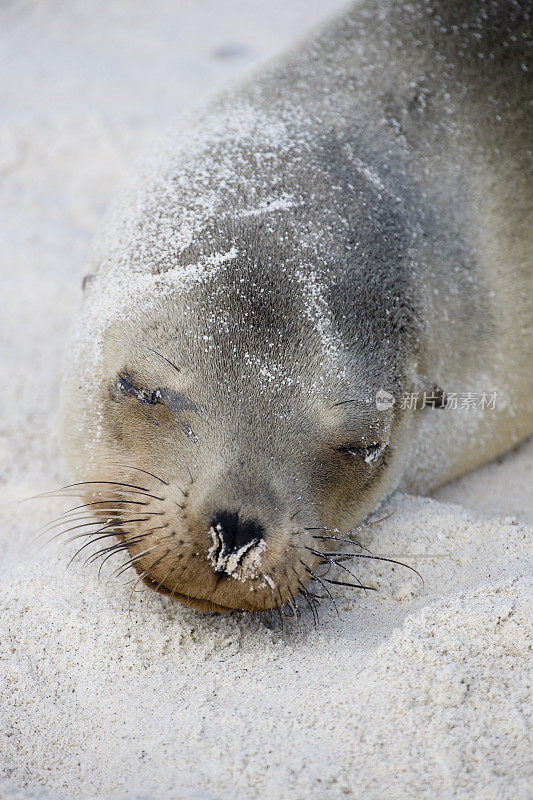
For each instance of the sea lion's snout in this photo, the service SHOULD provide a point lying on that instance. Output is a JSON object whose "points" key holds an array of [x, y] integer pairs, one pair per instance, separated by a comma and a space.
{"points": [[216, 543], [233, 539]]}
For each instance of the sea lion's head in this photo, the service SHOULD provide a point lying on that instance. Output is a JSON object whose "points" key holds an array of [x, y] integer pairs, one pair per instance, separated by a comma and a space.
{"points": [[232, 425], [222, 393]]}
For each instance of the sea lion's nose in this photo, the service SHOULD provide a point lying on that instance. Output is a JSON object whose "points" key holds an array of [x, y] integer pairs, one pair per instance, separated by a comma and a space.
{"points": [[233, 536], [236, 533]]}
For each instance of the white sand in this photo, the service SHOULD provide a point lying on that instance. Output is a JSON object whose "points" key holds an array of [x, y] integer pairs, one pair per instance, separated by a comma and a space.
{"points": [[411, 692]]}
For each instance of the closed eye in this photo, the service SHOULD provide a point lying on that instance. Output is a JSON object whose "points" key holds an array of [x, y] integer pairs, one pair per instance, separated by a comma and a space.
{"points": [[148, 396], [174, 401], [370, 453]]}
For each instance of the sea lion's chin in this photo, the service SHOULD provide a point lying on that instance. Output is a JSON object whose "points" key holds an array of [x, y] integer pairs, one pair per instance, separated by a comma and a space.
{"points": [[205, 605], [198, 603], [235, 599]]}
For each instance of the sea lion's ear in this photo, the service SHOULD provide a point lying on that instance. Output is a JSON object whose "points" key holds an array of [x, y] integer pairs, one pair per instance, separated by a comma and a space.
{"points": [[86, 280], [427, 394]]}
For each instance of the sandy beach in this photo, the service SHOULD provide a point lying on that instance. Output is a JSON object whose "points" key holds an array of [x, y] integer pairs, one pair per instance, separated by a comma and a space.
{"points": [[422, 689]]}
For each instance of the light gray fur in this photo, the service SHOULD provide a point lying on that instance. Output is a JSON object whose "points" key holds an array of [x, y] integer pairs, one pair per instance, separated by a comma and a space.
{"points": [[355, 217]]}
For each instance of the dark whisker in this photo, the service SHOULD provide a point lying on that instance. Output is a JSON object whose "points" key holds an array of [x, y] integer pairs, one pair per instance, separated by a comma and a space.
{"points": [[123, 545], [378, 521], [102, 502], [66, 520], [329, 558], [128, 466], [138, 489], [95, 521], [157, 353], [347, 556], [84, 535], [363, 400], [333, 530], [107, 535], [133, 560], [72, 528], [293, 607], [112, 532], [319, 580], [94, 537], [111, 551], [292, 601], [315, 596], [311, 604], [349, 571], [338, 539], [109, 495], [141, 536], [350, 585], [308, 598], [280, 615], [103, 483]]}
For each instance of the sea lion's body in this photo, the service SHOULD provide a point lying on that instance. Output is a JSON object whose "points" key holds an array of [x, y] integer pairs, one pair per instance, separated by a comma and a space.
{"points": [[356, 218]]}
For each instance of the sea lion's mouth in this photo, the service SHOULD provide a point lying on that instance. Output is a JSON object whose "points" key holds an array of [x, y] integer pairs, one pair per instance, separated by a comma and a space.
{"points": [[199, 603], [204, 605]]}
